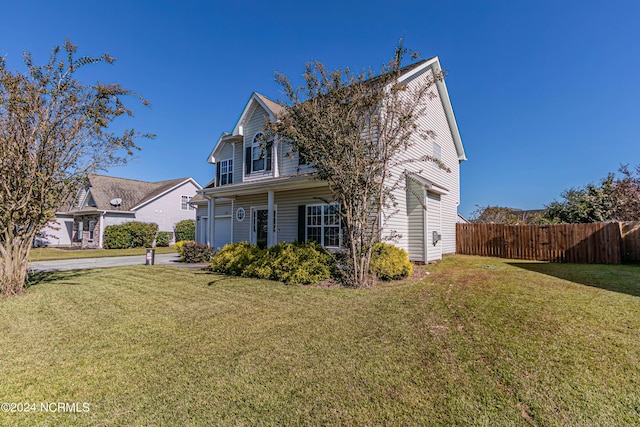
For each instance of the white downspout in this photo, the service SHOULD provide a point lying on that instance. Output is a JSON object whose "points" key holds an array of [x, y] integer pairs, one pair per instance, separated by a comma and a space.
{"points": [[101, 239]]}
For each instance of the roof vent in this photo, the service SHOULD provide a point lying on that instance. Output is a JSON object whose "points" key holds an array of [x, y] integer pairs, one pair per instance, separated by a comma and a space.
{"points": [[116, 202]]}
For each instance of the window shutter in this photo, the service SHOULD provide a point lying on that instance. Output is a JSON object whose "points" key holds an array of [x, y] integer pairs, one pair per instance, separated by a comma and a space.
{"points": [[302, 223], [218, 174], [269, 154], [247, 160]]}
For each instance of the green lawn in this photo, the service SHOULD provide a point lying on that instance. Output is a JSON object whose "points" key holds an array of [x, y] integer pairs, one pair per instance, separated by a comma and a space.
{"points": [[478, 341], [48, 254]]}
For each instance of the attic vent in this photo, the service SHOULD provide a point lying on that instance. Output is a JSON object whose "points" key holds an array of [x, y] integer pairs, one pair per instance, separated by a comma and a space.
{"points": [[116, 202]]}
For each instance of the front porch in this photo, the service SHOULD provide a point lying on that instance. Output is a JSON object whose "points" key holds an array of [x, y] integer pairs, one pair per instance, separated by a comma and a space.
{"points": [[263, 214]]}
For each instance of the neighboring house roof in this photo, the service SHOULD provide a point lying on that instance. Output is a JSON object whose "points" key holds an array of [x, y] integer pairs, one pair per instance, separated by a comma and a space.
{"points": [[198, 199], [102, 189], [462, 220]]}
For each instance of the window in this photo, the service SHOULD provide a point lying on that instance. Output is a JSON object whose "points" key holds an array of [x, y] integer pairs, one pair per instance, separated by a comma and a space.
{"points": [[225, 172], [184, 203], [92, 226], [258, 155], [323, 225], [437, 154], [80, 227]]}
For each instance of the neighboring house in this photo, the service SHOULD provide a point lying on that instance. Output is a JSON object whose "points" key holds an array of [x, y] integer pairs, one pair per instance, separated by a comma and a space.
{"points": [[462, 220], [107, 200], [267, 197]]}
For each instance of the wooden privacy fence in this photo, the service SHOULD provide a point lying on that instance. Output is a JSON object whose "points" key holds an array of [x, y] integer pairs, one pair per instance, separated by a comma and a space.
{"points": [[603, 243]]}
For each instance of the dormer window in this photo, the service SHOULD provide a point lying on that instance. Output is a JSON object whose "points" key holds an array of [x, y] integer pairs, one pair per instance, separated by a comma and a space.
{"points": [[259, 155], [225, 172]]}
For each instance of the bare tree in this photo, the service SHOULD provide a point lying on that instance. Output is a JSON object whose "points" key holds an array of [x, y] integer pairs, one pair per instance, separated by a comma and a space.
{"points": [[495, 215], [53, 131], [355, 128]]}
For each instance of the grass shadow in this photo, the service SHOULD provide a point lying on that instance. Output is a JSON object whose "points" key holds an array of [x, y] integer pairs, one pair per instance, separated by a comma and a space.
{"points": [[612, 277], [61, 277]]}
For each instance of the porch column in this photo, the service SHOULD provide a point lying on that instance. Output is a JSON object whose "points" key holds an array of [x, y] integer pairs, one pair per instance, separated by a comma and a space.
{"points": [[211, 222], [270, 219]]}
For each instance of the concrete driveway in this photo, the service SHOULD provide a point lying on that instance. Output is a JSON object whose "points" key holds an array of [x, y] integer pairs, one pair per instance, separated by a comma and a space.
{"points": [[119, 261]]}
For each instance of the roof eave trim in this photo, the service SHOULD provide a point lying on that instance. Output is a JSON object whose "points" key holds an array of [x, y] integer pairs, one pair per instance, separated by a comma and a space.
{"points": [[430, 186], [238, 128], [224, 138], [448, 110]]}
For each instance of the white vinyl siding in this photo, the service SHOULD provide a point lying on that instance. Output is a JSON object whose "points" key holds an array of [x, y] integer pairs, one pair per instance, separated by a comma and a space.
{"points": [[166, 210], [255, 124], [436, 121]]}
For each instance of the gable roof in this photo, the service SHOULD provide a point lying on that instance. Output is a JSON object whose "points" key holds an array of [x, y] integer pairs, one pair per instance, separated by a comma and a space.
{"points": [[134, 194], [273, 108]]}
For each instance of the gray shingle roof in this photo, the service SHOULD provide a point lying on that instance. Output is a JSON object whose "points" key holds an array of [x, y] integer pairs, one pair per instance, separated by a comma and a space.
{"points": [[103, 189]]}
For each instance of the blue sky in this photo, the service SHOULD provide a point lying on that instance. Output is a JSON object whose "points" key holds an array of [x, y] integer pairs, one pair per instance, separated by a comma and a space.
{"points": [[546, 93]]}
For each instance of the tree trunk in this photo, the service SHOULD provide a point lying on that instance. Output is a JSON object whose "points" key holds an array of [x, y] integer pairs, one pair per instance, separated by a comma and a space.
{"points": [[14, 262]]}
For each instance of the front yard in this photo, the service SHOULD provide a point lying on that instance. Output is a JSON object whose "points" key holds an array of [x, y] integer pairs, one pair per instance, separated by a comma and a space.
{"points": [[477, 341]]}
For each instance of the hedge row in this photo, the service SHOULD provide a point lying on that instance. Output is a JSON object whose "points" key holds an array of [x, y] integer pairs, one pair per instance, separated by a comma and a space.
{"points": [[303, 263], [132, 234], [136, 234]]}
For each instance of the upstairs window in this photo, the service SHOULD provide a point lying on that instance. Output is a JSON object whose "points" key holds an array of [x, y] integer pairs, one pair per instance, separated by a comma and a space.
{"points": [[258, 156], [225, 172], [437, 154], [184, 203]]}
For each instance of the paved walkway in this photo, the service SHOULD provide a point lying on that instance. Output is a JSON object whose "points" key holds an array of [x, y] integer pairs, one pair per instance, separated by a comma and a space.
{"points": [[118, 261]]}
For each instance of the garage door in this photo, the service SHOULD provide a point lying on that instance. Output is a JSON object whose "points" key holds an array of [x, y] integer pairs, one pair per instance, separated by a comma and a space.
{"points": [[222, 231]]}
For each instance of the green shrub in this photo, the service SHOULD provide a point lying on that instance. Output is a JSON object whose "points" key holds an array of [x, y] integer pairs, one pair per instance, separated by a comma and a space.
{"points": [[285, 262], [192, 252], [390, 262], [179, 245], [185, 230], [116, 237], [234, 258], [132, 234], [163, 238], [142, 234]]}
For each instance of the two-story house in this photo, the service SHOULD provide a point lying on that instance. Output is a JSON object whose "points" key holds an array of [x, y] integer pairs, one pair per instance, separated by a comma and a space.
{"points": [[266, 197]]}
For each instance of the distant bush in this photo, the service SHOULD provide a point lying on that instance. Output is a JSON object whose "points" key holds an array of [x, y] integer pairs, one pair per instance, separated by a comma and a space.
{"points": [[116, 237], [390, 262], [163, 238], [132, 234], [285, 262], [185, 230], [192, 252], [179, 245]]}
